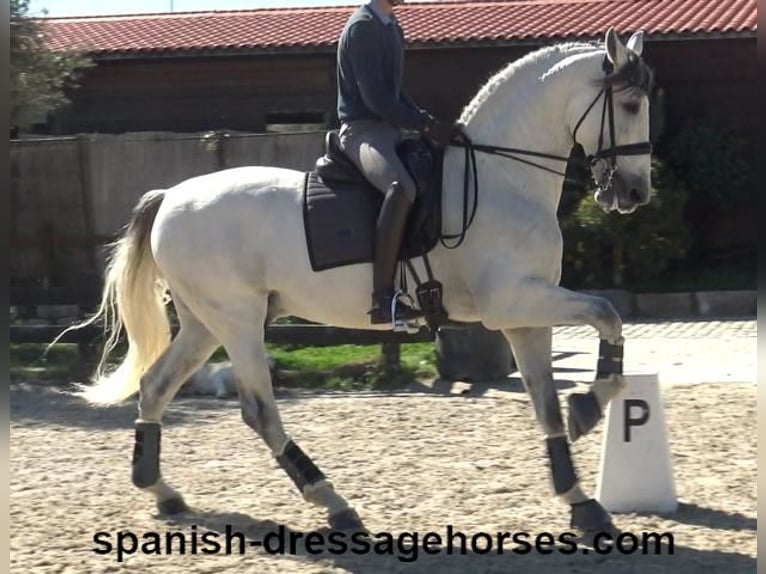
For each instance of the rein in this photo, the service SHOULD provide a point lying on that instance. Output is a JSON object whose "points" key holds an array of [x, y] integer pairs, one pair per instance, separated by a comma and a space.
{"points": [[605, 181]]}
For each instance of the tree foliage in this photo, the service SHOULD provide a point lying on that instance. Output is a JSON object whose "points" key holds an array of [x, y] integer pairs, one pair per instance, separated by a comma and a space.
{"points": [[604, 250], [39, 76], [713, 163]]}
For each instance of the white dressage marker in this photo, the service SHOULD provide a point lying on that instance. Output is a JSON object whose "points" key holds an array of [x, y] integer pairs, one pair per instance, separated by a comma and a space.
{"points": [[636, 471]]}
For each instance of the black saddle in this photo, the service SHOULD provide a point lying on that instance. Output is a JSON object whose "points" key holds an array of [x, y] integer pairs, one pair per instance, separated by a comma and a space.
{"points": [[335, 166], [341, 206]]}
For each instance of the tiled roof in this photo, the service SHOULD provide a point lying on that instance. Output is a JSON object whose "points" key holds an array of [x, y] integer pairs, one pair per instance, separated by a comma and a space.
{"points": [[427, 23]]}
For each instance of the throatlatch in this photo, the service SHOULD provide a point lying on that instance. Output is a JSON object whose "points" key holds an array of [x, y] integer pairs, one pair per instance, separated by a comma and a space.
{"points": [[146, 454]]}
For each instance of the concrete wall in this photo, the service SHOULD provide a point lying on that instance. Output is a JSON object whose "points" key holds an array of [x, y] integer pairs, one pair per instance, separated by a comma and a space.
{"points": [[70, 196]]}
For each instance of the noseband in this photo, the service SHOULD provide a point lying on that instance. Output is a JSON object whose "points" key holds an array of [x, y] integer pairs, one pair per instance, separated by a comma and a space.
{"points": [[578, 167]]}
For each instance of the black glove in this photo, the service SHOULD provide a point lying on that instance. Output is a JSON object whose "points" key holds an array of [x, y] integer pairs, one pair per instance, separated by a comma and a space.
{"points": [[441, 133]]}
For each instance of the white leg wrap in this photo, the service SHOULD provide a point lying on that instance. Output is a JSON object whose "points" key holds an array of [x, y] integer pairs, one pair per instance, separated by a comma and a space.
{"points": [[574, 495], [606, 389], [281, 450], [310, 489]]}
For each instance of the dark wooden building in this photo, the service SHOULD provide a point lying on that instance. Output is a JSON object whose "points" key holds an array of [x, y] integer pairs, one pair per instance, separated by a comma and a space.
{"points": [[701, 78], [253, 69], [274, 69]]}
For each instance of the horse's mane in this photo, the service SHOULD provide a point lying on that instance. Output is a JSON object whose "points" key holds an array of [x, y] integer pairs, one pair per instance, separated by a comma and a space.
{"points": [[542, 56], [635, 75]]}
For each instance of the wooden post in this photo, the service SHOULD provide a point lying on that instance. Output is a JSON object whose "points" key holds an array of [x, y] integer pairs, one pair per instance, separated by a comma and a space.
{"points": [[390, 354], [83, 146], [220, 138], [48, 248]]}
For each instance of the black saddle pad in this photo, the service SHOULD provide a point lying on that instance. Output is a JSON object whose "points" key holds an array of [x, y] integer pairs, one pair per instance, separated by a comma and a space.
{"points": [[340, 208], [340, 224]]}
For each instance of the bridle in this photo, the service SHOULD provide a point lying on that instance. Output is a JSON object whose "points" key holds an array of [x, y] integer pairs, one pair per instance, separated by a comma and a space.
{"points": [[578, 164], [611, 153]]}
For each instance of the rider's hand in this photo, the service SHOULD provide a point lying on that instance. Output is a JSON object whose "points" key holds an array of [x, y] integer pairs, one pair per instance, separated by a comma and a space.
{"points": [[441, 133]]}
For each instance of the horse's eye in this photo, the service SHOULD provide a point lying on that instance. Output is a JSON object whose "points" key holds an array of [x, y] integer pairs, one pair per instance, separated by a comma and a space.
{"points": [[631, 107]]}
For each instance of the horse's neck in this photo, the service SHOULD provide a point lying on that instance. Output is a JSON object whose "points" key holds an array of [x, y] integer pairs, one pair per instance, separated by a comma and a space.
{"points": [[526, 112], [511, 112]]}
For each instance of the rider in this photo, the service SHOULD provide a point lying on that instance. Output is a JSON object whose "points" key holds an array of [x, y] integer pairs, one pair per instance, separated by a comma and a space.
{"points": [[373, 110]]}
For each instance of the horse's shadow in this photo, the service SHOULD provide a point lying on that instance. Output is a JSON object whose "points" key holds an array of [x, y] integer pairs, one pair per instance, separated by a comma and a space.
{"points": [[449, 387], [474, 389], [58, 405], [509, 384], [401, 551], [690, 513]]}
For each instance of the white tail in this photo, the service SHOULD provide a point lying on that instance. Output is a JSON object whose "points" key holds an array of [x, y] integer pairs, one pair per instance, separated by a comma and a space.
{"points": [[132, 298]]}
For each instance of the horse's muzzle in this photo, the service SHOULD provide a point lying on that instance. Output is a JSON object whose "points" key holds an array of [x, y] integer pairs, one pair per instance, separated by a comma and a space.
{"points": [[624, 194]]}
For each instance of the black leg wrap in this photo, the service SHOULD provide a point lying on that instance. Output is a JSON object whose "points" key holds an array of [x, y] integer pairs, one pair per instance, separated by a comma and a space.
{"points": [[146, 454], [299, 467], [562, 469], [609, 359], [584, 414], [590, 516]]}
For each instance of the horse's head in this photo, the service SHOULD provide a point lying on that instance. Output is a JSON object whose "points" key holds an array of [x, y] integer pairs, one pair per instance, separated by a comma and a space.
{"points": [[613, 128]]}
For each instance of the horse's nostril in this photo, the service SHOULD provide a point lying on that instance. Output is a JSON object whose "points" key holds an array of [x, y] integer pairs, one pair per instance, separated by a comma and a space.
{"points": [[635, 196]]}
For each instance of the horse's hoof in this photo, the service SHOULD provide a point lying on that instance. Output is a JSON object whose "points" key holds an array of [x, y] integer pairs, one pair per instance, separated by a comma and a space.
{"points": [[604, 537], [584, 414], [593, 523], [347, 520], [173, 506]]}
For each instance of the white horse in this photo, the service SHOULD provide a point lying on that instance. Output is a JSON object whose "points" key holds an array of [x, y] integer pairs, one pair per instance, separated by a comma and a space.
{"points": [[230, 248]]}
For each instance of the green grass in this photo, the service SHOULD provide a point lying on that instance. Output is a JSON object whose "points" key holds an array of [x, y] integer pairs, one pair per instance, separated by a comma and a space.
{"points": [[321, 358], [27, 361], [347, 367], [343, 367], [421, 357]]}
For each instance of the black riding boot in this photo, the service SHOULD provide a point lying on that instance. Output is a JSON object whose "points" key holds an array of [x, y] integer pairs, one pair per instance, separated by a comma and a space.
{"points": [[388, 240]]}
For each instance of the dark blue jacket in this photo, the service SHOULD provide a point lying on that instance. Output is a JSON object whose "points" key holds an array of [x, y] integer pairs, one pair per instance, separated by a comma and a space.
{"points": [[370, 70]]}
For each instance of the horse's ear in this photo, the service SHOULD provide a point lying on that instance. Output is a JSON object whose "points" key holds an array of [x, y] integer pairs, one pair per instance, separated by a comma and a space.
{"points": [[636, 42], [615, 49]]}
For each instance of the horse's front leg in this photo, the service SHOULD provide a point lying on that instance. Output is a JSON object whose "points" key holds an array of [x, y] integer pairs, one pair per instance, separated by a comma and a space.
{"points": [[540, 304], [532, 352]]}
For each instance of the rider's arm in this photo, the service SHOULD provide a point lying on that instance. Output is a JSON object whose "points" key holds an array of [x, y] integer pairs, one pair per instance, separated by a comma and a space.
{"points": [[366, 51], [409, 102]]}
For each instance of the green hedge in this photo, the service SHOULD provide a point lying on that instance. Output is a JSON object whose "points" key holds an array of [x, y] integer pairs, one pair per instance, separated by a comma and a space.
{"points": [[608, 250], [699, 175]]}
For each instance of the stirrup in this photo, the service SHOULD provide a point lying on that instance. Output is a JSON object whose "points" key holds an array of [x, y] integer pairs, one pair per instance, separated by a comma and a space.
{"points": [[399, 325]]}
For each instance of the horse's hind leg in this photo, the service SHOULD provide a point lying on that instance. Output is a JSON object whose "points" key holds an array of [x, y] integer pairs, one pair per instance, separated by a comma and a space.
{"points": [[187, 352], [532, 351], [244, 342]]}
